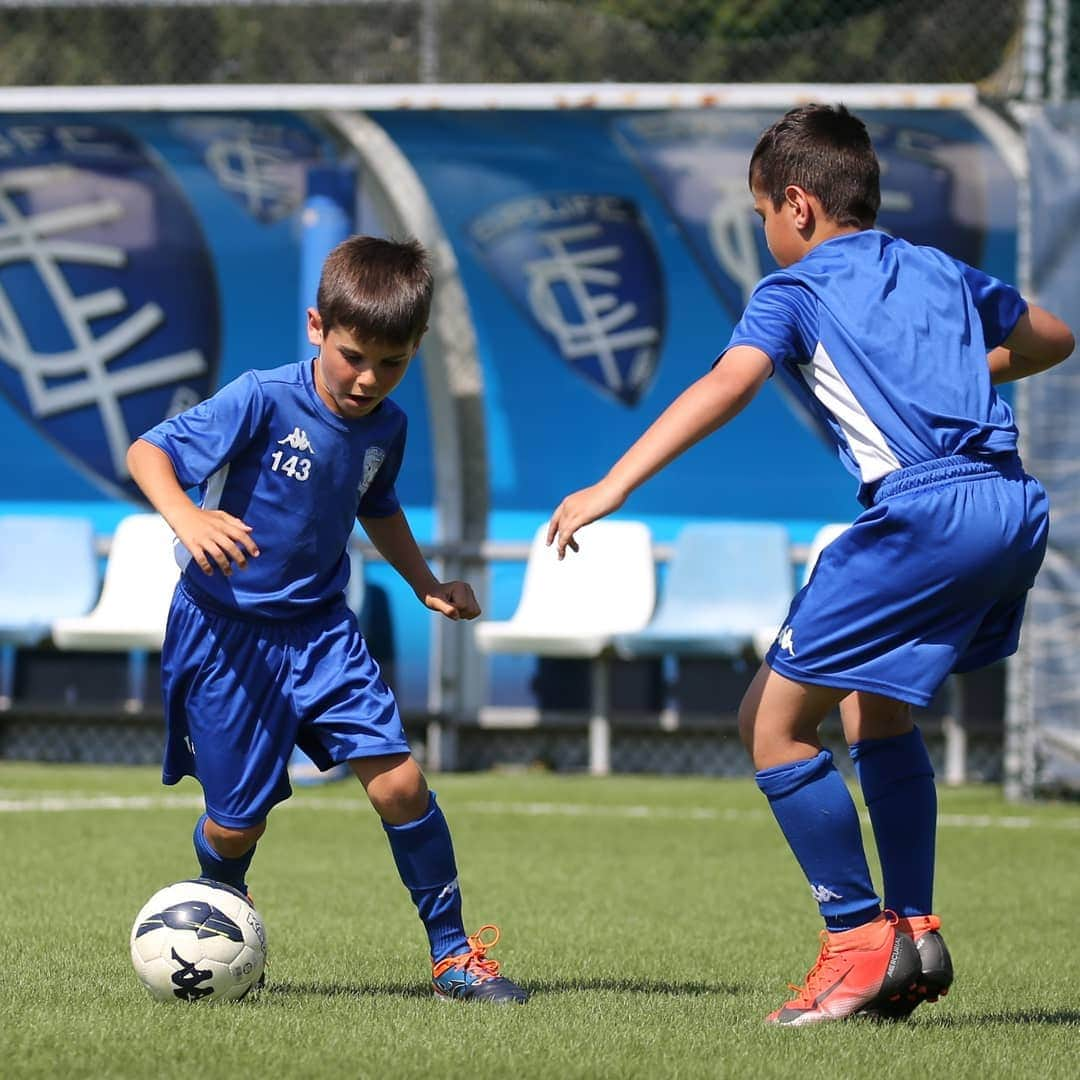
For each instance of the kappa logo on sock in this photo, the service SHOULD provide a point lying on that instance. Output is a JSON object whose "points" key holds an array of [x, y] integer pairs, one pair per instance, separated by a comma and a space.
{"points": [[448, 890], [823, 894]]}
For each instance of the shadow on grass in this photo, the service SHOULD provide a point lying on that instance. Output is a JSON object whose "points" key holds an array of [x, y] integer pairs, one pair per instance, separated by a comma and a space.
{"points": [[1050, 1018], [659, 988]]}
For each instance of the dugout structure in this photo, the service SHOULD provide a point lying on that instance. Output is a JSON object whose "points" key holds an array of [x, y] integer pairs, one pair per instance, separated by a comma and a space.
{"points": [[1044, 731]]}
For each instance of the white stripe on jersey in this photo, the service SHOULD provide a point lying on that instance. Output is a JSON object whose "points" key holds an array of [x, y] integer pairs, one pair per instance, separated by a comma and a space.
{"points": [[864, 438], [215, 486]]}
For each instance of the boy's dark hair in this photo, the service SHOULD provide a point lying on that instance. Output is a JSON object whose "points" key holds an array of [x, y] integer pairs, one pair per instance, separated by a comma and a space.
{"points": [[827, 152], [376, 289]]}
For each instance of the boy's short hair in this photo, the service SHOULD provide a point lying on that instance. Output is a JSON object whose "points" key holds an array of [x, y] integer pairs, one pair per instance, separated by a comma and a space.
{"points": [[826, 151], [376, 289]]}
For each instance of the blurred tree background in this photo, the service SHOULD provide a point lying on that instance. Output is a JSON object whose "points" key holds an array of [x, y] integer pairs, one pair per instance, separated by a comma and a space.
{"points": [[72, 42]]}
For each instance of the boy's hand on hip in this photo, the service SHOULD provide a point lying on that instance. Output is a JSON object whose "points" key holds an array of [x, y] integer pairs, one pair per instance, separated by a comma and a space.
{"points": [[454, 599], [216, 538]]}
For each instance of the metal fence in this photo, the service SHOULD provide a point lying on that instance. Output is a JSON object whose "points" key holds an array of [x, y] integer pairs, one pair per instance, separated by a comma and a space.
{"points": [[1008, 47]]}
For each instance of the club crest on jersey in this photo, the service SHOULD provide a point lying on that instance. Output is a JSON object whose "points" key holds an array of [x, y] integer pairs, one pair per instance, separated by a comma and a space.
{"points": [[697, 164], [374, 456], [585, 269], [108, 312], [263, 166]]}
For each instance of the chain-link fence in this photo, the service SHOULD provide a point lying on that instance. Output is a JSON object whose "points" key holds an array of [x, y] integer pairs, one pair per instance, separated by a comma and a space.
{"points": [[134, 42]]}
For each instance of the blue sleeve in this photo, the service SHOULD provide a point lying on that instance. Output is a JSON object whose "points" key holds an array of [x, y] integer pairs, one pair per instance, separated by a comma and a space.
{"points": [[203, 438], [781, 320], [380, 499], [999, 305]]}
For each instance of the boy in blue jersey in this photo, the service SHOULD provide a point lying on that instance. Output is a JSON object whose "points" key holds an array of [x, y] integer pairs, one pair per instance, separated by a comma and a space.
{"points": [[261, 652], [894, 350]]}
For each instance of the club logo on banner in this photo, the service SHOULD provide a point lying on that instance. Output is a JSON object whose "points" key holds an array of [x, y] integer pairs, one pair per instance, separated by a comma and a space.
{"points": [[932, 189], [108, 311], [263, 166], [585, 269]]}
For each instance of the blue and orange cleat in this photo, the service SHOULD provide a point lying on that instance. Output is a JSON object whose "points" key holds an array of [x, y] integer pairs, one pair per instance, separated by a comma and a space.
{"points": [[471, 976], [855, 967]]}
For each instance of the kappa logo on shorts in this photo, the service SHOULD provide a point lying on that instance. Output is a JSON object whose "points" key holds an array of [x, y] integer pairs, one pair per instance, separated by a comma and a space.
{"points": [[108, 309], [785, 640], [585, 269]]}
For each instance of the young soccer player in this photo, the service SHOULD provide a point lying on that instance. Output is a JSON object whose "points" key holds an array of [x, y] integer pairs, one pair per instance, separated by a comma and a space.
{"points": [[895, 349], [262, 652]]}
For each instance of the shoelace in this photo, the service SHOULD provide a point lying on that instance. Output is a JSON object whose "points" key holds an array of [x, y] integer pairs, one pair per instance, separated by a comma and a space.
{"points": [[820, 975], [476, 960]]}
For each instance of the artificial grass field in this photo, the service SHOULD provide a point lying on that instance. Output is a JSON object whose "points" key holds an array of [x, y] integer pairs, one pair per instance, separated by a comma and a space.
{"points": [[656, 920]]}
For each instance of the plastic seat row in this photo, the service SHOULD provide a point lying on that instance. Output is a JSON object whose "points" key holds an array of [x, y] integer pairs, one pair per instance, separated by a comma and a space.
{"points": [[727, 591], [50, 586]]}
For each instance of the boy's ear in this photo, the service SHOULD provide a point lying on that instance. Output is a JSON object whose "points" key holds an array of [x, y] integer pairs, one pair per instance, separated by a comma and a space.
{"points": [[798, 202], [314, 326]]}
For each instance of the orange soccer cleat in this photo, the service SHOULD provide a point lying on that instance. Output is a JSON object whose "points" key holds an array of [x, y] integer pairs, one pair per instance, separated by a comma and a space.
{"points": [[855, 967], [935, 966]]}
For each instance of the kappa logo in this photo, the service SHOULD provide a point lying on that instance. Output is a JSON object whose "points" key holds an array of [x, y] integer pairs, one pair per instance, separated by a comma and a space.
{"points": [[108, 312], [448, 890], [374, 456], [263, 166], [298, 440], [822, 894], [585, 269], [785, 640]]}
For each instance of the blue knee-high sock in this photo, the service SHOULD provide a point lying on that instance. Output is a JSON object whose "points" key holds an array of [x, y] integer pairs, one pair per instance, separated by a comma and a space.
{"points": [[897, 781], [424, 855], [821, 825], [215, 866]]}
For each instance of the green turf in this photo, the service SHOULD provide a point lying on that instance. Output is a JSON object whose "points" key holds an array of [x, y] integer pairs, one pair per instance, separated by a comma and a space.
{"points": [[656, 920]]}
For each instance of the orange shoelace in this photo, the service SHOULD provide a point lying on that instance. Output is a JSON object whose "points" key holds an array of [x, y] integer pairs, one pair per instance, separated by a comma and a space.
{"points": [[476, 959], [822, 975]]}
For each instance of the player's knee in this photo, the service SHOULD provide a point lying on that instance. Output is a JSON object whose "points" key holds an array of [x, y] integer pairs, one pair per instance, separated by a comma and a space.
{"points": [[232, 843], [400, 796]]}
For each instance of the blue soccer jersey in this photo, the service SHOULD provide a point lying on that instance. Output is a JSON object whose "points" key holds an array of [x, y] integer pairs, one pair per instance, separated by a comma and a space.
{"points": [[884, 343], [268, 450]]}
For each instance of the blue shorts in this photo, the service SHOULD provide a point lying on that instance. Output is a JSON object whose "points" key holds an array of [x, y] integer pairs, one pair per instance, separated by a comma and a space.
{"points": [[930, 579], [240, 694]]}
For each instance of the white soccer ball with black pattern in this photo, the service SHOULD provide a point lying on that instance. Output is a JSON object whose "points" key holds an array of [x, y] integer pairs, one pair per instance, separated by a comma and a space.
{"points": [[198, 940]]}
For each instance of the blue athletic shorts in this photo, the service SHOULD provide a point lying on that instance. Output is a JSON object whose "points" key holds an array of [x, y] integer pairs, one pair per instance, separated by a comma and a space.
{"points": [[929, 580], [240, 694]]}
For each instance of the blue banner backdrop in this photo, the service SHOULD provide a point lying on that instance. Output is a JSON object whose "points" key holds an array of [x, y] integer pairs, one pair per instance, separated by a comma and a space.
{"points": [[145, 259]]}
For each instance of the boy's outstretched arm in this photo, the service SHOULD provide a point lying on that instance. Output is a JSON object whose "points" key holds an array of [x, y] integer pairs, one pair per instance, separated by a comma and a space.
{"points": [[214, 537], [394, 541], [1037, 342], [698, 411]]}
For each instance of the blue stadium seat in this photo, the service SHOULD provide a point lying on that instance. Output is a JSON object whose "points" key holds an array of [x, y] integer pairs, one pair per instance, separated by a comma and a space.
{"points": [[48, 570], [727, 589]]}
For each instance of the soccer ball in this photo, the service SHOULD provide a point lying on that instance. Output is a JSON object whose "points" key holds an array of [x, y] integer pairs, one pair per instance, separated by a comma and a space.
{"points": [[198, 940]]}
